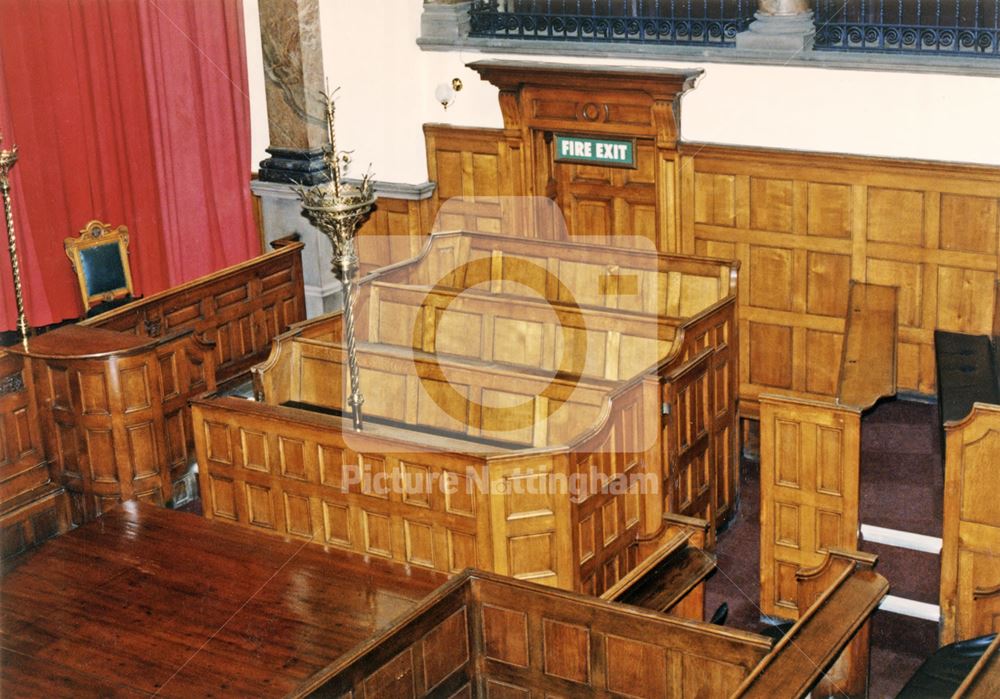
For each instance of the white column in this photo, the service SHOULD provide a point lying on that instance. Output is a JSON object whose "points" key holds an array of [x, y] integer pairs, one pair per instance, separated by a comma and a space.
{"points": [[780, 26]]}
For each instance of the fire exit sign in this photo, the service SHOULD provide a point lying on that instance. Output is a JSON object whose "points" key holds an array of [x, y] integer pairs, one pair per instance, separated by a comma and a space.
{"points": [[595, 151]]}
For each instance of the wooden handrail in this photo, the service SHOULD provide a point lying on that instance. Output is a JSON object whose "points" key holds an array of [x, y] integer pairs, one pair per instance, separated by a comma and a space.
{"points": [[818, 639]]}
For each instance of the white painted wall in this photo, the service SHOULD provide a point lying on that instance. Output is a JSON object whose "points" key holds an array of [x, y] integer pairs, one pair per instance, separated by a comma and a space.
{"points": [[387, 94], [255, 73]]}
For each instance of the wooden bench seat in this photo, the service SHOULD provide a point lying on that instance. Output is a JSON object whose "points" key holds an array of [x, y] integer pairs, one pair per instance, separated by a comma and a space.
{"points": [[586, 275], [529, 408], [515, 330], [670, 580], [532, 641]]}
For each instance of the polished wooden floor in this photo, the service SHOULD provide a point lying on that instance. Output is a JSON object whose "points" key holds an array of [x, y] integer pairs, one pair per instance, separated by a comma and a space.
{"points": [[150, 601]]}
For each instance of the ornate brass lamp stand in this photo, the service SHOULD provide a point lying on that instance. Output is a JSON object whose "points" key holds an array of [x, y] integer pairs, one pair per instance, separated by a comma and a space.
{"points": [[337, 208], [7, 160]]}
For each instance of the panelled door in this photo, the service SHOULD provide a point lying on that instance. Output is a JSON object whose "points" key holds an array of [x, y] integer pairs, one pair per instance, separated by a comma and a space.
{"points": [[810, 453], [613, 204], [687, 439]]}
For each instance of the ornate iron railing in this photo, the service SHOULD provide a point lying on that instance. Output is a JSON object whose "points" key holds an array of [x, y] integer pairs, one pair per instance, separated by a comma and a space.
{"points": [[966, 27], [697, 22]]}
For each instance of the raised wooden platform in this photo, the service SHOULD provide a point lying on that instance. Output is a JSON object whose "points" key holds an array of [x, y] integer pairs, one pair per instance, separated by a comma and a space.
{"points": [[146, 600]]}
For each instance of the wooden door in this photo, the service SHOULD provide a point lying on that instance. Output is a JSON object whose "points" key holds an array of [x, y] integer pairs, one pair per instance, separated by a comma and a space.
{"points": [[809, 458], [687, 440], [970, 556], [612, 204]]}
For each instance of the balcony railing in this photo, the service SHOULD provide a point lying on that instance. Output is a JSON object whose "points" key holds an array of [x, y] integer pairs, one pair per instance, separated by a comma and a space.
{"points": [[683, 22], [967, 27]]}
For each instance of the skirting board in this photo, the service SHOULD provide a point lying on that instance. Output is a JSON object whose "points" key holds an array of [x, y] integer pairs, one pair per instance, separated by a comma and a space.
{"points": [[901, 539], [911, 608]]}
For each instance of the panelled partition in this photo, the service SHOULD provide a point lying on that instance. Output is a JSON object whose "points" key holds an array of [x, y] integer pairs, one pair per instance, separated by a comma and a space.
{"points": [[803, 225]]}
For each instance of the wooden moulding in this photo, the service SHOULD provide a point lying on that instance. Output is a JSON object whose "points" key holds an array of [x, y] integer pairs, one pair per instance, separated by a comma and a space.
{"points": [[105, 401], [609, 344], [481, 632], [806, 224], [810, 457], [803, 224]]}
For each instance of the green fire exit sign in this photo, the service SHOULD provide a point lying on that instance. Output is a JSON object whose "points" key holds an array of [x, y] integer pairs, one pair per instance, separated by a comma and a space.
{"points": [[596, 151]]}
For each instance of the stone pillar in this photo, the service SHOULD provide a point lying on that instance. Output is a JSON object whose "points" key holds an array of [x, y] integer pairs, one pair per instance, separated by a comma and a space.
{"points": [[780, 26], [444, 22], [293, 81]]}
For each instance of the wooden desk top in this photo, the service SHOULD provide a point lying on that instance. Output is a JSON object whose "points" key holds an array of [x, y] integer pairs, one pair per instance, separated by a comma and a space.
{"points": [[148, 600], [80, 341]]}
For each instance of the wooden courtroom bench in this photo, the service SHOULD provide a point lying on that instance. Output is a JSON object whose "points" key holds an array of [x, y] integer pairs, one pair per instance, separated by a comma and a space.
{"points": [[100, 407], [240, 308], [640, 437], [811, 453], [672, 579], [481, 635], [968, 368], [604, 344]]}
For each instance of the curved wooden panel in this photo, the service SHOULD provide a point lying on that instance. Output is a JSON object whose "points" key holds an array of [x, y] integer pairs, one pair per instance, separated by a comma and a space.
{"points": [[970, 561]]}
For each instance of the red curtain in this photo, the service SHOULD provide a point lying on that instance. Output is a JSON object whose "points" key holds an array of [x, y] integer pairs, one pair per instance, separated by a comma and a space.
{"points": [[133, 112]]}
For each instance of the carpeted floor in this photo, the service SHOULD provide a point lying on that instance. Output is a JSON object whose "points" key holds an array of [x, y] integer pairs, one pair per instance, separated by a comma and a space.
{"points": [[901, 488]]}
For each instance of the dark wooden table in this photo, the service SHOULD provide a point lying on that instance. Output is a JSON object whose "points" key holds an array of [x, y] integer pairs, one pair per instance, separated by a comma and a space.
{"points": [[146, 600]]}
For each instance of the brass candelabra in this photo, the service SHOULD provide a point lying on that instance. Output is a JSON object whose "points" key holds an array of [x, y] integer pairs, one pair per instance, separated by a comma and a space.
{"points": [[337, 208], [7, 160]]}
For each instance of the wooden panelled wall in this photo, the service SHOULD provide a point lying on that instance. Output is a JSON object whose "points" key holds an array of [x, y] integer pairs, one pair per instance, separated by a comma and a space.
{"points": [[394, 232], [803, 225]]}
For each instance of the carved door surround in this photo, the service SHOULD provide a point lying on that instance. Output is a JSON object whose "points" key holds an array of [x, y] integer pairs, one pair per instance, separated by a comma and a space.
{"points": [[539, 100]]}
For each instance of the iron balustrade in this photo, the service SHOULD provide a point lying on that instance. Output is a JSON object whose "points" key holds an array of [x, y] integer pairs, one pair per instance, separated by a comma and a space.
{"points": [[965, 27], [684, 22]]}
